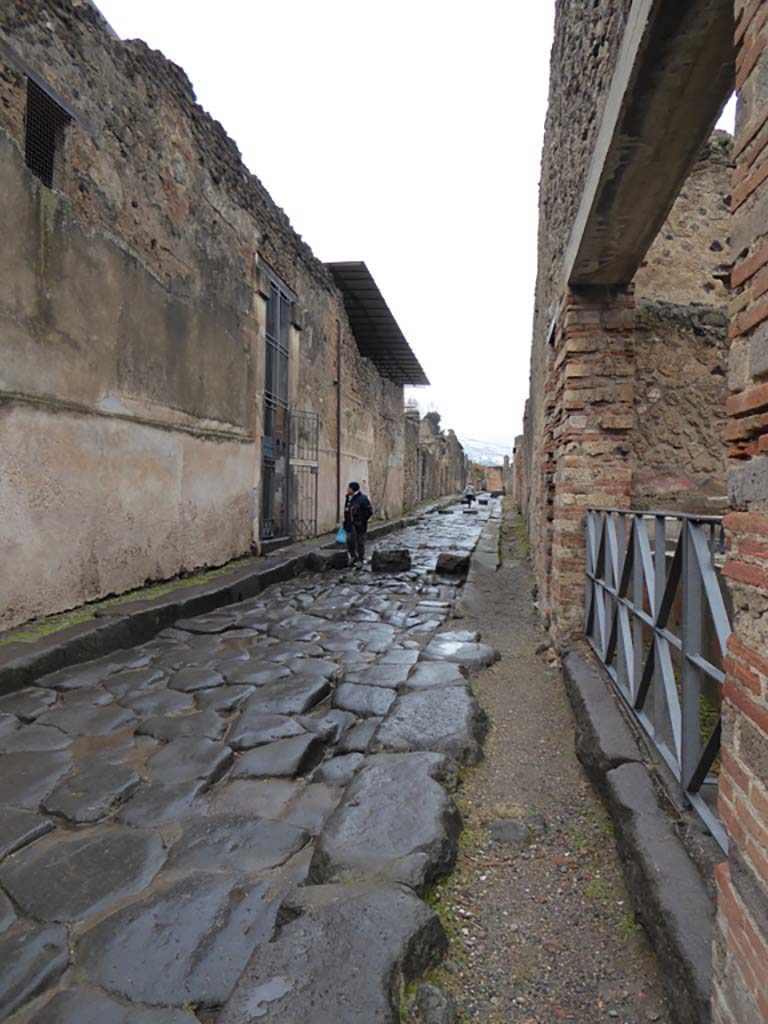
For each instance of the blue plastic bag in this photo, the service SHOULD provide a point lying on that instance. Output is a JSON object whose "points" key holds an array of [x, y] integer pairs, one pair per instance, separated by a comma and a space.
{"points": [[341, 536]]}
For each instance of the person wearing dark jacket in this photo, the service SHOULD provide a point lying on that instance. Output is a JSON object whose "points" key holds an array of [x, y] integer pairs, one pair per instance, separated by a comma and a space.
{"points": [[357, 512]]}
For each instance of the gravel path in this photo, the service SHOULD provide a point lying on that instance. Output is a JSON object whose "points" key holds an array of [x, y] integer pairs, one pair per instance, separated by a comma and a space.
{"points": [[540, 931]]}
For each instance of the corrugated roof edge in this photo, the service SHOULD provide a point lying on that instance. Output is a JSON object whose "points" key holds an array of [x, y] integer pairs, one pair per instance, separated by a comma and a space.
{"points": [[376, 331]]}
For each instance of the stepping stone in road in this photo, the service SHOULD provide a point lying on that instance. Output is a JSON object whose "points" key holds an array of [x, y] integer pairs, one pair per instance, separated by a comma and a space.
{"points": [[363, 700], [189, 758], [155, 803], [184, 944], [395, 820], [283, 758], [346, 949], [92, 790], [70, 876], [31, 957], [27, 778], [452, 564], [83, 1006], [230, 842], [447, 720], [391, 560], [18, 827], [201, 723], [436, 673]]}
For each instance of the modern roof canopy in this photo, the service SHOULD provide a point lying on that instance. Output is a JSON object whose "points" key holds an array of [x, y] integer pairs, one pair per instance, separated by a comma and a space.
{"points": [[376, 332]]}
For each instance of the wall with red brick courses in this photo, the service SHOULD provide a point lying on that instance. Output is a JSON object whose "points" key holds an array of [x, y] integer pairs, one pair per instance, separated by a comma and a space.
{"points": [[741, 946], [589, 417]]}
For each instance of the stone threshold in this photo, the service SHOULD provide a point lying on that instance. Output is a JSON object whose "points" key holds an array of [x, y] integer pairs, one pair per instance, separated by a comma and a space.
{"points": [[129, 623], [670, 898]]}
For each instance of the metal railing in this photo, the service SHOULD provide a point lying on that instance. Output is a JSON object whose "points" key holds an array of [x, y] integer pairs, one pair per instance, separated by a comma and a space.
{"points": [[657, 618]]}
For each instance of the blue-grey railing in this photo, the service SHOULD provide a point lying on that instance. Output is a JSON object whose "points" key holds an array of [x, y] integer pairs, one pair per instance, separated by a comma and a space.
{"points": [[657, 618]]}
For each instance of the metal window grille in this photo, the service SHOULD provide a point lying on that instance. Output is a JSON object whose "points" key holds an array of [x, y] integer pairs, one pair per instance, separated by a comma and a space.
{"points": [[657, 617], [305, 435], [45, 127]]}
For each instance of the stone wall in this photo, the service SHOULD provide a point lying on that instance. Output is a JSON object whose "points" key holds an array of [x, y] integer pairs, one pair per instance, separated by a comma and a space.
{"points": [[681, 358], [586, 41], [442, 462], [132, 310], [411, 466], [741, 943]]}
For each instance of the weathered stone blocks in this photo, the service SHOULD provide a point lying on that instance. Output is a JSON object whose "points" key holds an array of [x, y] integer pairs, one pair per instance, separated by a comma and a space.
{"points": [[342, 957]]}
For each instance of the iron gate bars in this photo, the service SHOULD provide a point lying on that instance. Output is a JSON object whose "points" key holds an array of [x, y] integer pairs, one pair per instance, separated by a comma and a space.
{"points": [[657, 619]]}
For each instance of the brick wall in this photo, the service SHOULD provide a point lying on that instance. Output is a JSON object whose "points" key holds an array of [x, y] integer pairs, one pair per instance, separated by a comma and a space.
{"points": [[590, 417], [741, 944]]}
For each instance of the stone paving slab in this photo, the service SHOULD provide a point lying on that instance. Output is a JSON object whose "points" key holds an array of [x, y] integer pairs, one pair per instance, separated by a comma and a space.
{"points": [[395, 820], [447, 720], [69, 876], [185, 944], [204, 775], [341, 960], [31, 957], [83, 1006]]}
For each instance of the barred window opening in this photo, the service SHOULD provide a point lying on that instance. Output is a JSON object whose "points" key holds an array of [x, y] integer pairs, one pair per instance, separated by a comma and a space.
{"points": [[45, 128]]}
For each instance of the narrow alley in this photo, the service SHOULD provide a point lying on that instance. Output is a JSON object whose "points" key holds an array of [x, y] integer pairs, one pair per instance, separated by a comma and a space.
{"points": [[235, 821]]}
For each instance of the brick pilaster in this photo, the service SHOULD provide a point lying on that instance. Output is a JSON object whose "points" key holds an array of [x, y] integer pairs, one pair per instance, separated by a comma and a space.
{"points": [[741, 942], [592, 388]]}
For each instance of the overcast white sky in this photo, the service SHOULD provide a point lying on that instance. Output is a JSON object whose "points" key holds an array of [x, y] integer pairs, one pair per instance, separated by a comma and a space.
{"points": [[405, 133]]}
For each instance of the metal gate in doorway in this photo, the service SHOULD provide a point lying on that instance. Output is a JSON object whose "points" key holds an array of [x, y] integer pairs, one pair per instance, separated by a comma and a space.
{"points": [[305, 442]]}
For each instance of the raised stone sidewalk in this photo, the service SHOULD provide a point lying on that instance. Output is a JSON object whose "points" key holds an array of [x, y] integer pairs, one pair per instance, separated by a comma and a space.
{"points": [[234, 821]]}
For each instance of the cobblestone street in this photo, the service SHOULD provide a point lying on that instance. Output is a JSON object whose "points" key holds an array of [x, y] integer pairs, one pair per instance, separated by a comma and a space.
{"points": [[174, 816]]}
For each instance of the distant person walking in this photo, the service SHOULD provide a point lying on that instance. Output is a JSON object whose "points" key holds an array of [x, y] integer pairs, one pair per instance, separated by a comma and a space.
{"points": [[469, 494], [357, 511]]}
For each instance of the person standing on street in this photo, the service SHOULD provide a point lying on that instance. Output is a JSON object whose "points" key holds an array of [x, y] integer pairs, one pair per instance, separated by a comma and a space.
{"points": [[469, 494], [357, 512]]}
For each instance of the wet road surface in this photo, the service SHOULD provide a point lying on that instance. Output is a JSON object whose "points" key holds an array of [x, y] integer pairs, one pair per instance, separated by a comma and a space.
{"points": [[202, 828]]}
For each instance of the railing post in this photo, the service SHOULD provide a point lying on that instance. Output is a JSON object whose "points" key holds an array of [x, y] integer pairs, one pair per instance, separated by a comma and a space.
{"points": [[690, 753], [659, 581], [637, 605]]}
